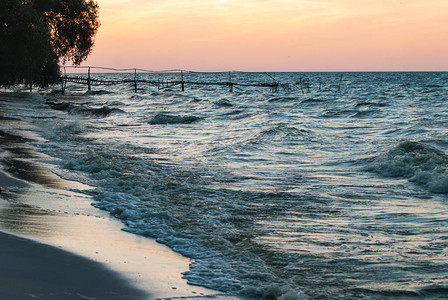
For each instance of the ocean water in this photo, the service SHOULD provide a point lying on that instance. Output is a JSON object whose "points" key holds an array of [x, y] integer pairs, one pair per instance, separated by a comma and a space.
{"points": [[336, 186]]}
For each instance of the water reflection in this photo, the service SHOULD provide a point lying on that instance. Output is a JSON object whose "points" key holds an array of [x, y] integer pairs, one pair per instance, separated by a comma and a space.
{"points": [[22, 219]]}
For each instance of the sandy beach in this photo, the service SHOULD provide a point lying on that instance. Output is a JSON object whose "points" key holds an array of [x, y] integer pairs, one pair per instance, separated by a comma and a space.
{"points": [[30, 270], [55, 245]]}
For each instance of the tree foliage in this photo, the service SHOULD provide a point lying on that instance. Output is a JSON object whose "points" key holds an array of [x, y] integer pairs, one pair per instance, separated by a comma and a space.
{"points": [[35, 35]]}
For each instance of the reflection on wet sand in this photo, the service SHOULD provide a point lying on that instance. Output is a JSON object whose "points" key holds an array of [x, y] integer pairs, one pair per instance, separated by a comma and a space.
{"points": [[26, 220], [30, 171], [19, 159]]}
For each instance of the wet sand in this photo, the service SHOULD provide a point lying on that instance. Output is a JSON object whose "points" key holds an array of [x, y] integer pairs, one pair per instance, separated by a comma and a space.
{"points": [[8, 181]]}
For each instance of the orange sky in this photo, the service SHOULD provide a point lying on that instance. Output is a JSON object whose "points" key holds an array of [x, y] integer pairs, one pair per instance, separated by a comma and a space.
{"points": [[273, 35]]}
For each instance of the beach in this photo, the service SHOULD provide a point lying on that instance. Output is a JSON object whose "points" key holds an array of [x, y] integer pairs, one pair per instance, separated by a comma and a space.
{"points": [[55, 245], [30, 270], [334, 186]]}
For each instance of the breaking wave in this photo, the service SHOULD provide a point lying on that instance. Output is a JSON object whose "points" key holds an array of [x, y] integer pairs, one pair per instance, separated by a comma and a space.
{"points": [[175, 207], [83, 109], [417, 162], [162, 118]]}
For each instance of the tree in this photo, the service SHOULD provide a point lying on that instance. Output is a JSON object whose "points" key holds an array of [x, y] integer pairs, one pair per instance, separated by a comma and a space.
{"points": [[36, 35]]}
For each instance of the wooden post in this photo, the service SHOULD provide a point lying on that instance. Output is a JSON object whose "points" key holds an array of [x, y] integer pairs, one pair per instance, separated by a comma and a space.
{"points": [[135, 80], [301, 86], [30, 79], [63, 81], [230, 82], [89, 85], [63, 85], [340, 81], [182, 80]]}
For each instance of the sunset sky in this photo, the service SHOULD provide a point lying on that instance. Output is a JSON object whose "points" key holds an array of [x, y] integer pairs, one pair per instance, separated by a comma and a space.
{"points": [[273, 35]]}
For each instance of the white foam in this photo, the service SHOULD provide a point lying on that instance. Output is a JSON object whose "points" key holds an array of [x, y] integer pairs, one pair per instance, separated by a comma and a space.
{"points": [[416, 161], [142, 197]]}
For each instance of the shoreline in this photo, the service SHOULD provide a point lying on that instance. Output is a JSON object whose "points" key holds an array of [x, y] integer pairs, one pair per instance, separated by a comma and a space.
{"points": [[42, 212], [147, 270]]}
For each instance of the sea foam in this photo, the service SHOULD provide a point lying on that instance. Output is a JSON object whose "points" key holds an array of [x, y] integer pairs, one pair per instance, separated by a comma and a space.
{"points": [[417, 162]]}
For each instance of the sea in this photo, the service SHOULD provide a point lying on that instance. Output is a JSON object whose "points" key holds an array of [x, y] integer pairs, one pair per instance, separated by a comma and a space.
{"points": [[335, 186]]}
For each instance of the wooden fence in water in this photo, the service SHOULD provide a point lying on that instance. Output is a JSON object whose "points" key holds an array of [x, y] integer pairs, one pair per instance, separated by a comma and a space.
{"points": [[181, 81]]}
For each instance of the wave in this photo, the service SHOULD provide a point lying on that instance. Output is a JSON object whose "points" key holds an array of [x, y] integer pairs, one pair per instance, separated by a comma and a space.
{"points": [[239, 114], [35, 97], [71, 128], [234, 112], [82, 109], [417, 162], [224, 103], [282, 99], [431, 292], [364, 113], [195, 100], [368, 103], [175, 207], [137, 97], [162, 118], [59, 105], [99, 92], [99, 112], [313, 101], [337, 113], [284, 133]]}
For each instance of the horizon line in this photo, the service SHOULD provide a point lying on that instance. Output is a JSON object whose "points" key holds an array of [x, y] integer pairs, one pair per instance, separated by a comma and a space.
{"points": [[177, 70]]}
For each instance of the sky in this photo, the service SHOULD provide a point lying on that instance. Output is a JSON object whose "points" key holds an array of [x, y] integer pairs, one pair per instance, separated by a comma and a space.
{"points": [[273, 35]]}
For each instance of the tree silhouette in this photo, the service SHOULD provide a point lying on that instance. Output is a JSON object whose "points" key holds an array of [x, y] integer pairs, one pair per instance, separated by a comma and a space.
{"points": [[35, 35]]}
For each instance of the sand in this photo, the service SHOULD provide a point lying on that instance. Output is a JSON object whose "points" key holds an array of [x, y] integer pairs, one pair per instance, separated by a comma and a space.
{"points": [[8, 181], [30, 270], [55, 245]]}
